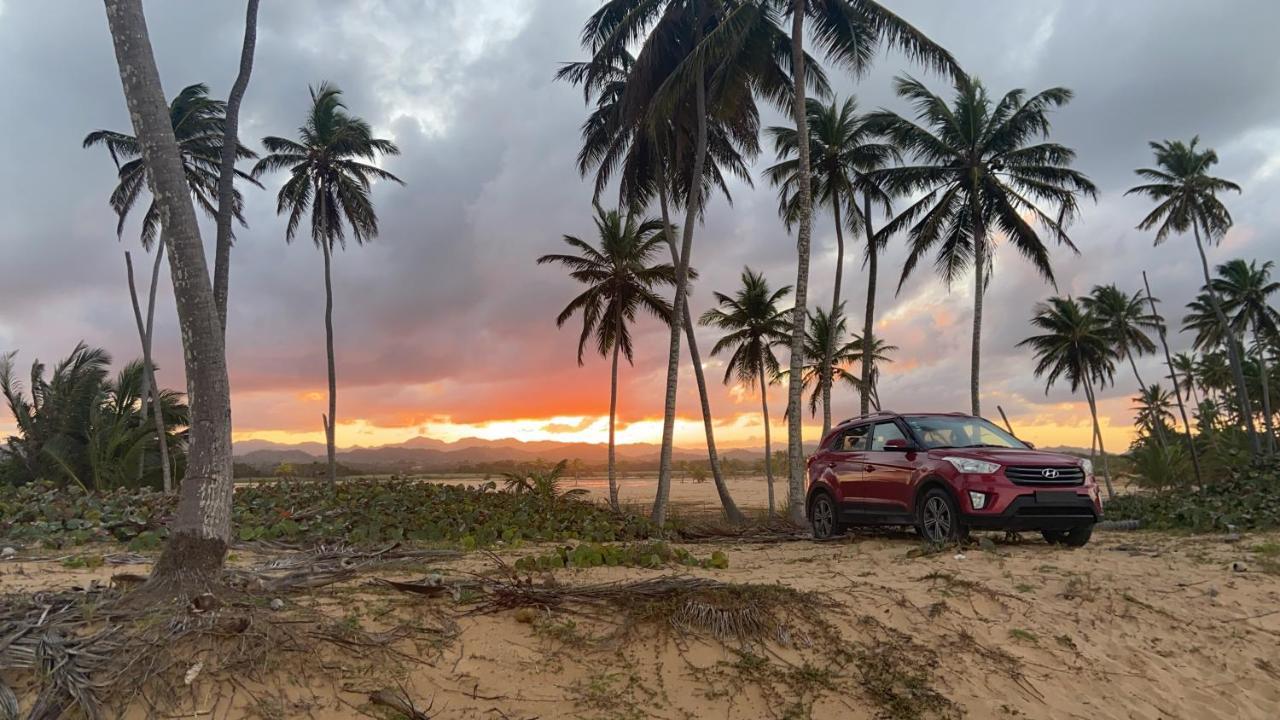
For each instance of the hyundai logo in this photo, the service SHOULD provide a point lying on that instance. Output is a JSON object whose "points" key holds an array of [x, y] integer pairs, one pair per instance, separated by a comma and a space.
{"points": [[1049, 473]]}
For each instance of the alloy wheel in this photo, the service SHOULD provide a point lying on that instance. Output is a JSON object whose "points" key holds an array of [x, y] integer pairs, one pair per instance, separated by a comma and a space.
{"points": [[823, 517], [937, 520]]}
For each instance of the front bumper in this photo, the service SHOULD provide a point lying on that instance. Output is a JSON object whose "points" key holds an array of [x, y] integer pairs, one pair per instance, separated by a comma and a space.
{"points": [[1038, 510]]}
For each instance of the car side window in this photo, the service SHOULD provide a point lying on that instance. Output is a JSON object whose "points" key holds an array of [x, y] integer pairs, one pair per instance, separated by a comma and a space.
{"points": [[853, 440], [884, 432]]}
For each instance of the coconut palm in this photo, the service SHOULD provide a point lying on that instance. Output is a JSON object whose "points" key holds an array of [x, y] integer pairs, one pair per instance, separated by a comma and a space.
{"points": [[1075, 346], [984, 167], [1126, 320], [1245, 289], [1186, 198], [826, 337], [199, 126], [332, 175], [755, 326], [1154, 408], [622, 279], [877, 352], [843, 154], [1184, 366]]}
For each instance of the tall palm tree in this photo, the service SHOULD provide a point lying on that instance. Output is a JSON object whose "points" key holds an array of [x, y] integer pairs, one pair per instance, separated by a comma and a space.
{"points": [[843, 153], [755, 326], [1245, 289], [984, 166], [621, 279], [331, 174], [1075, 346], [1186, 198], [199, 123], [1126, 320], [1154, 408]]}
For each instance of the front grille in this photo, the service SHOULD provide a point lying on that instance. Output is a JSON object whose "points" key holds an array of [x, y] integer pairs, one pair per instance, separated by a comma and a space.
{"points": [[1037, 475]]}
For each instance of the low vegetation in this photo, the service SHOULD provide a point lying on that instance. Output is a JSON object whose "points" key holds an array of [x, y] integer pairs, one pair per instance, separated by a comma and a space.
{"points": [[642, 555], [1245, 498]]}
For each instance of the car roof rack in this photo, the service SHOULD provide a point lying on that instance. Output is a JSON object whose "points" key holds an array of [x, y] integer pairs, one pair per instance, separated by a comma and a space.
{"points": [[878, 413]]}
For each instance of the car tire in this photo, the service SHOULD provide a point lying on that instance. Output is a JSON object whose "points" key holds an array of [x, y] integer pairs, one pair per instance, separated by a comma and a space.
{"points": [[824, 517], [938, 518], [1075, 537]]}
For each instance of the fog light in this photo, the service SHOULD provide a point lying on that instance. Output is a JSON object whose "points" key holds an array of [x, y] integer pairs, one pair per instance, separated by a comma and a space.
{"points": [[977, 500]]}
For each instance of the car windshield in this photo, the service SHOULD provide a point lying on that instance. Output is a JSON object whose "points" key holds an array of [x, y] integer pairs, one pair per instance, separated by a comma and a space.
{"points": [[936, 432]]}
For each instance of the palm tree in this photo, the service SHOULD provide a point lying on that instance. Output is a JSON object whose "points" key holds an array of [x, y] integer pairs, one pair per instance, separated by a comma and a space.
{"points": [[982, 170], [1126, 320], [1162, 333], [843, 154], [621, 280], [1154, 407], [199, 124], [1187, 199], [1245, 289], [329, 175], [1075, 346], [1185, 366], [877, 352], [755, 326], [826, 337]]}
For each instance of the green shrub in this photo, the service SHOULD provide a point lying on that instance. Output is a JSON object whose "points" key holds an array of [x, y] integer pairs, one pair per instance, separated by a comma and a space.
{"points": [[646, 555], [1247, 498]]}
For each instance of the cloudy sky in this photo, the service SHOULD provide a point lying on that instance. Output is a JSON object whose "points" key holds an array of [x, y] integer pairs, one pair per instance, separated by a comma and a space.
{"points": [[445, 326]]}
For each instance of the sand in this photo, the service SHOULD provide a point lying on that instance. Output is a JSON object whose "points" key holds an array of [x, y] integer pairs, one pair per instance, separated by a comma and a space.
{"points": [[1135, 626]]}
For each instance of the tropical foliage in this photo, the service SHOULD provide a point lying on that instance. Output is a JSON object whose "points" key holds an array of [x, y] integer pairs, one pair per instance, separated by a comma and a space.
{"points": [[79, 426]]}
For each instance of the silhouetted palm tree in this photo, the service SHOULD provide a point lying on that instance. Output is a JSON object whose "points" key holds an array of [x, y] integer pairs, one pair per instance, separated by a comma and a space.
{"points": [[1245, 289], [332, 175], [1185, 366], [1074, 346], [1186, 197], [755, 326], [1126, 320], [1154, 407], [982, 172], [843, 154], [826, 336], [621, 280]]}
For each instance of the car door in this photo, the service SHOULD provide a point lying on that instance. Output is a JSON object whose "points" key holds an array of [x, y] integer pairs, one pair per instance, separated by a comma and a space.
{"points": [[888, 471], [848, 462]]}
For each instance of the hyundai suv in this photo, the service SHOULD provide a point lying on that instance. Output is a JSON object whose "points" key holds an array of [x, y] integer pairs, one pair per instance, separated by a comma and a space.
{"points": [[945, 474]]}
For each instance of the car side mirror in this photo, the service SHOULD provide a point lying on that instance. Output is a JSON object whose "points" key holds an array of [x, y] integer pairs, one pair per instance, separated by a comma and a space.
{"points": [[898, 445]]}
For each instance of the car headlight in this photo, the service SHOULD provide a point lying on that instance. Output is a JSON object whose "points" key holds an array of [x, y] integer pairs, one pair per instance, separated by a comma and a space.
{"points": [[1087, 466], [969, 465]]}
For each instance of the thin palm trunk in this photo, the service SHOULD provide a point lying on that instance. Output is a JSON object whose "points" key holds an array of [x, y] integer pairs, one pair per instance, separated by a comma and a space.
{"points": [[150, 394], [768, 443], [804, 221], [1266, 389], [1097, 431], [678, 307], [731, 510], [979, 269], [330, 420], [1173, 377], [613, 415], [1233, 348], [868, 323], [227, 165], [835, 320], [201, 528]]}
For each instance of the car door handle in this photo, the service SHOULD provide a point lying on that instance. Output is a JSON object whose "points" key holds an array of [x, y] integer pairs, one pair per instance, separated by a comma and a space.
{"points": [[868, 468]]}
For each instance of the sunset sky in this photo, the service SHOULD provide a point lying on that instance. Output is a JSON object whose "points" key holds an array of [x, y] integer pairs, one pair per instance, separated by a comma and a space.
{"points": [[445, 326]]}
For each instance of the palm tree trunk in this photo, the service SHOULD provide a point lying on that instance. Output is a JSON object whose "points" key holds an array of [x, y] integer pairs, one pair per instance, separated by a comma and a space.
{"points": [[227, 165], [804, 221], [1266, 389], [835, 320], [1173, 377], [768, 443], [1233, 348], [678, 307], [150, 391], [868, 323], [1097, 431], [979, 269], [731, 510], [613, 415], [201, 527], [330, 420]]}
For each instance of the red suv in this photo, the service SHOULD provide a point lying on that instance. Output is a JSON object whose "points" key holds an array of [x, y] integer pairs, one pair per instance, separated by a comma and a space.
{"points": [[945, 474]]}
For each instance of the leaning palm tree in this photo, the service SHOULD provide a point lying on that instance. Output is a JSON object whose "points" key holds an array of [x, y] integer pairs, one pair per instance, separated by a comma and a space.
{"points": [[984, 167], [1074, 346], [331, 174], [1245, 289], [1186, 198], [843, 155], [1127, 321], [755, 326], [621, 280], [199, 126]]}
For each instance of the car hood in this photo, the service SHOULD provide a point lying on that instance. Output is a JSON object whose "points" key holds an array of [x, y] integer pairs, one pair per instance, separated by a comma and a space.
{"points": [[1009, 456]]}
